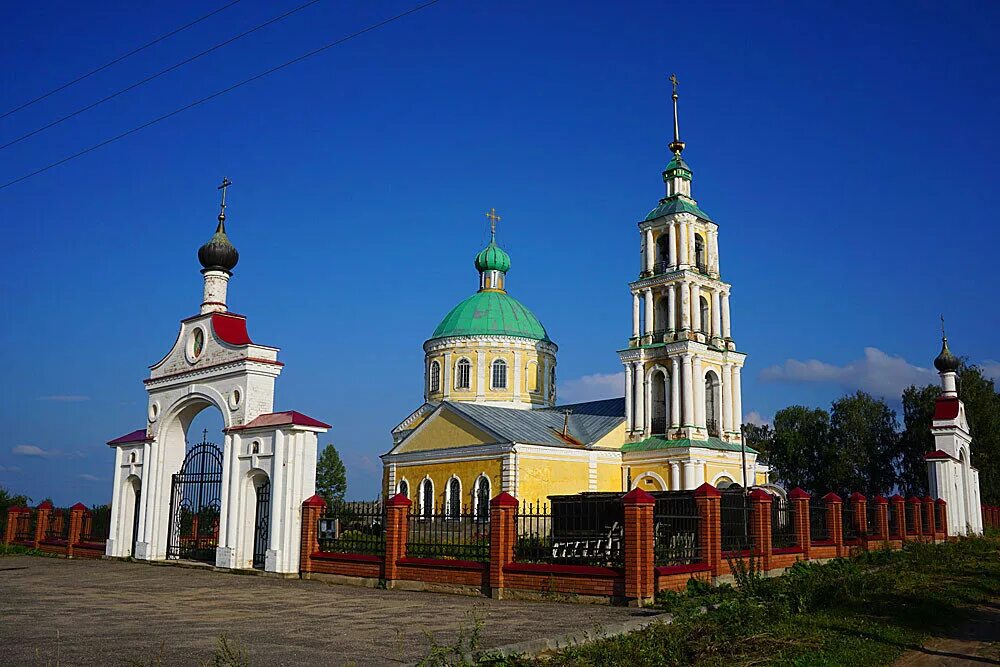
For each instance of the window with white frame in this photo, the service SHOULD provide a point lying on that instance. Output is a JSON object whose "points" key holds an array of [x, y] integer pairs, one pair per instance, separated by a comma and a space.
{"points": [[482, 496], [434, 381], [427, 498], [463, 374], [499, 374], [403, 488], [454, 500]]}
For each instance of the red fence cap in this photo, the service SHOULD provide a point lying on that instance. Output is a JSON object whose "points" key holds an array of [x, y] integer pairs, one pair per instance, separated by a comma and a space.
{"points": [[78, 507], [761, 495], [399, 500], [857, 496], [799, 493], [638, 497], [941, 501], [706, 490], [45, 505], [315, 501], [503, 499], [928, 499], [832, 498], [881, 500], [897, 498], [913, 500]]}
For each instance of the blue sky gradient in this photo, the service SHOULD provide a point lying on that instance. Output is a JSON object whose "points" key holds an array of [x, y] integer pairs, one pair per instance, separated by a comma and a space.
{"points": [[845, 149]]}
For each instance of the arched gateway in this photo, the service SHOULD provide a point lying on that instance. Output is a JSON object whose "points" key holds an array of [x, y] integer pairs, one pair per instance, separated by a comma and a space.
{"points": [[237, 505]]}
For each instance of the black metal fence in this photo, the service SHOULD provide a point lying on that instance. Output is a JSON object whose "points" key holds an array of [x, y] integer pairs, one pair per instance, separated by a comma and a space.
{"points": [[912, 518], [584, 531], [849, 521], [871, 518], [782, 524], [58, 528], [24, 531], [675, 528], [96, 524], [734, 510], [355, 527], [925, 520], [449, 535], [817, 520], [894, 527]]}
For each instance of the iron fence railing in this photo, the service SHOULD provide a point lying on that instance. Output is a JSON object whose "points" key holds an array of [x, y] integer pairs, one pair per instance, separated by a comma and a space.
{"points": [[24, 531], [925, 521], [912, 518], [675, 528], [782, 524], [353, 527], [871, 518], [96, 524], [894, 527], [849, 522], [449, 535], [734, 510], [58, 527], [584, 531], [818, 531]]}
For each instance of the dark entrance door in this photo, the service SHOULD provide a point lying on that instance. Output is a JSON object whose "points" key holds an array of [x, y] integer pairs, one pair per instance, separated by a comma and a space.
{"points": [[195, 503], [262, 523], [135, 518]]}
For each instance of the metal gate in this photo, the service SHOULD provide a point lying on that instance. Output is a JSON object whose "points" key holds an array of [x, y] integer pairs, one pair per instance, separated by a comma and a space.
{"points": [[262, 524], [195, 503]]}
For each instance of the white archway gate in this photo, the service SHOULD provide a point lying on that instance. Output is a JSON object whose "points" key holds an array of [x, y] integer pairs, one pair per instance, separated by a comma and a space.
{"points": [[268, 459]]}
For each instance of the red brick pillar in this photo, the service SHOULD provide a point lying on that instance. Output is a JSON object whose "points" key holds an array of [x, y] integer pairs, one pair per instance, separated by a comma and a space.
{"points": [[834, 521], [800, 505], [639, 584], [913, 505], [941, 507], [898, 507], [928, 510], [708, 501], [42, 521], [312, 511], [503, 537], [397, 528], [13, 516], [882, 516], [860, 506], [75, 527], [760, 526]]}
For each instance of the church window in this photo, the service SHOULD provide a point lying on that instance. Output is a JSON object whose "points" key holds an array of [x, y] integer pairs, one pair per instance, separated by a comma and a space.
{"points": [[454, 500], [663, 250], [499, 374], [131, 457], [255, 447], [705, 316], [403, 488], [552, 382], [699, 253], [723, 483], [427, 498], [482, 497], [435, 377], [712, 403], [463, 374]]}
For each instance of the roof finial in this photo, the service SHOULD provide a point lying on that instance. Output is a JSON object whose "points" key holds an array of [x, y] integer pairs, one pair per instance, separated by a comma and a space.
{"points": [[944, 336], [494, 218], [222, 210], [676, 146]]}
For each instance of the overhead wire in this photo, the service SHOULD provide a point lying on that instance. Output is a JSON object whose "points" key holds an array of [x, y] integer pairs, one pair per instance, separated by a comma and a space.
{"points": [[158, 74], [202, 100], [120, 58]]}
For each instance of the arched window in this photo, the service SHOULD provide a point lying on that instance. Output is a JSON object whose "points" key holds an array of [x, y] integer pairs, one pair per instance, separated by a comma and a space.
{"points": [[499, 374], [712, 403], [663, 251], [434, 382], [699, 253], [661, 321], [482, 497], [255, 447], [403, 488], [454, 500], [723, 483], [131, 457], [427, 498], [705, 315], [463, 374], [552, 383]]}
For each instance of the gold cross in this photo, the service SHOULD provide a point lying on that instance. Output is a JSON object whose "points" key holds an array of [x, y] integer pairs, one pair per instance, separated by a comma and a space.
{"points": [[943, 334], [494, 218], [673, 80], [225, 184]]}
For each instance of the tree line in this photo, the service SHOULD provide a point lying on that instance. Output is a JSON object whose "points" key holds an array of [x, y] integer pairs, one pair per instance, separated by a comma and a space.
{"points": [[861, 445]]}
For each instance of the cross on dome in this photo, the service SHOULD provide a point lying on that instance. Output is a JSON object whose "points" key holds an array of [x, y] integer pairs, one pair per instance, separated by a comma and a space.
{"points": [[494, 219], [225, 184]]}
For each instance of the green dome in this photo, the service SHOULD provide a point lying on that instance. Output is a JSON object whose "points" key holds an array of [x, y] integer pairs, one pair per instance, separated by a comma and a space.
{"points": [[491, 313], [493, 258]]}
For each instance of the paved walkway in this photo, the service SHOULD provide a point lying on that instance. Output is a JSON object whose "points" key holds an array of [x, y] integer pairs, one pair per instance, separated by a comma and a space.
{"points": [[974, 643], [77, 612]]}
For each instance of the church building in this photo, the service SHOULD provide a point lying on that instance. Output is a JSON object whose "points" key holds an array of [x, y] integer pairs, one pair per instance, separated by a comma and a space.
{"points": [[490, 421]]}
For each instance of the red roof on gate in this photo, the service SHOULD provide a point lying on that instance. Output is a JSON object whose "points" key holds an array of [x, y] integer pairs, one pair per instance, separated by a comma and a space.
{"points": [[231, 328], [139, 435], [287, 418], [938, 455]]}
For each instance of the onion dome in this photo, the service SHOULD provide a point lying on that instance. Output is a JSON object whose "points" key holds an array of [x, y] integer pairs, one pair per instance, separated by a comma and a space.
{"points": [[219, 254], [491, 313], [493, 258], [946, 362]]}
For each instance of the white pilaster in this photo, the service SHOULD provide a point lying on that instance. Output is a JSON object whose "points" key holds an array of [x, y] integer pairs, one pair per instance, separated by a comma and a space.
{"points": [[647, 391], [688, 393], [446, 376], [692, 260], [672, 306], [695, 307], [726, 333], [648, 294], [517, 374], [635, 315], [727, 398], [737, 399], [629, 391], [698, 383], [672, 237], [675, 392], [685, 292], [713, 261], [480, 374], [650, 250], [716, 314], [640, 395], [685, 238], [675, 476], [689, 475]]}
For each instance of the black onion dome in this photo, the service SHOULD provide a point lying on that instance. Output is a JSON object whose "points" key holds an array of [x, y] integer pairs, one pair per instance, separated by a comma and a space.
{"points": [[946, 362], [219, 253]]}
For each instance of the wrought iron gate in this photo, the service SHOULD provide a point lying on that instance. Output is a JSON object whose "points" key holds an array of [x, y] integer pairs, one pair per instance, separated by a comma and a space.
{"points": [[195, 503], [262, 524]]}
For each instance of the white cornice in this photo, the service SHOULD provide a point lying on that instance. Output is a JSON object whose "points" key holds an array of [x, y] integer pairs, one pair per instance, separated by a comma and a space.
{"points": [[518, 342]]}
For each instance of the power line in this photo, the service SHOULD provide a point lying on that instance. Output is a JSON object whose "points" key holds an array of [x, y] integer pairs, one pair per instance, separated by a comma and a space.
{"points": [[158, 74], [191, 105], [119, 59]]}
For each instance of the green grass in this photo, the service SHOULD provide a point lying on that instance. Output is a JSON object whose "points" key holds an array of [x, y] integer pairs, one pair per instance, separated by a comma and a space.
{"points": [[865, 610], [18, 550]]}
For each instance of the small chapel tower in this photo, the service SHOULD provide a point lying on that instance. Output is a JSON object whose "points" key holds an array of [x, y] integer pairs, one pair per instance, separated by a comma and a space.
{"points": [[682, 370], [949, 467]]}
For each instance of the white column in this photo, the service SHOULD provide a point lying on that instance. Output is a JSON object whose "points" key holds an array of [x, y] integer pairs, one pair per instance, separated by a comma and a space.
{"points": [[727, 398], [672, 306], [688, 475], [672, 236], [650, 250], [227, 517], [446, 376], [115, 541], [481, 374], [699, 473], [698, 385], [675, 393], [648, 294], [675, 476], [635, 315], [714, 250], [629, 391], [685, 291], [688, 395], [691, 254], [640, 396], [726, 333], [683, 230], [517, 375], [716, 314], [737, 399], [648, 394], [695, 307]]}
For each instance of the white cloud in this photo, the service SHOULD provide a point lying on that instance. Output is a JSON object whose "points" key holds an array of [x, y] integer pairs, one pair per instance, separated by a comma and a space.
{"points": [[32, 450], [754, 417], [91, 478], [65, 398], [877, 372], [592, 388]]}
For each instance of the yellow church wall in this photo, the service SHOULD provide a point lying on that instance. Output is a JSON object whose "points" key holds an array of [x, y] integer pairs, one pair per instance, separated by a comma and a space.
{"points": [[660, 469], [614, 439], [440, 473], [609, 477], [540, 478], [532, 384], [445, 429], [733, 472]]}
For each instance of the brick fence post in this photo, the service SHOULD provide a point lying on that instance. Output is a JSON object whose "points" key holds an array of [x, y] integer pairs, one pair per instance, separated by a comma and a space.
{"points": [[75, 527], [941, 509], [708, 501], [882, 517], [13, 516], [913, 504], [397, 527], [503, 537], [860, 506], [639, 584], [803, 531], [760, 525], [928, 510], [834, 521], [312, 510], [42, 522], [899, 509]]}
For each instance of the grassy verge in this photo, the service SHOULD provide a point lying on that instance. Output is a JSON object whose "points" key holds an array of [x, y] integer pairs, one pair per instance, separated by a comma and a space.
{"points": [[864, 610], [18, 550]]}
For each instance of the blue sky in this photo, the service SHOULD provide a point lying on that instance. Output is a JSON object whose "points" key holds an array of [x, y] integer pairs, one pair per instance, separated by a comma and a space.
{"points": [[845, 149]]}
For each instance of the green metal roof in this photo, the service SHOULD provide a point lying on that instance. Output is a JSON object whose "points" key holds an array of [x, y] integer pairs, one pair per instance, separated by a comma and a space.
{"points": [[491, 312], [677, 162], [677, 204], [493, 258], [654, 442]]}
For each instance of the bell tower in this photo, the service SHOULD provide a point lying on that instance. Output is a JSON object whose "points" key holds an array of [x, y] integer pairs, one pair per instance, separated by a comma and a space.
{"points": [[682, 370]]}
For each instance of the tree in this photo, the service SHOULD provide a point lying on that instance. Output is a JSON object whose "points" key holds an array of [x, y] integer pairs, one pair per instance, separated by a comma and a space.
{"points": [[759, 437], [863, 435], [800, 444], [331, 476], [916, 439], [8, 500]]}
